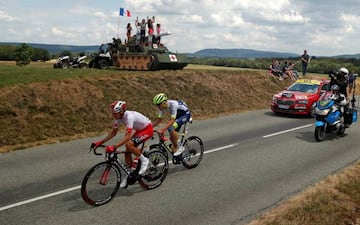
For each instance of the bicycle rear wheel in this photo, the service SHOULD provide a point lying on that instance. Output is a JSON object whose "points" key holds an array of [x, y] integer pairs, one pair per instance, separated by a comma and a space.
{"points": [[157, 171], [193, 153], [101, 183]]}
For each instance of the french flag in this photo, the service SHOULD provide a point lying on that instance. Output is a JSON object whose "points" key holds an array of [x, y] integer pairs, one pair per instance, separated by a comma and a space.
{"points": [[124, 12]]}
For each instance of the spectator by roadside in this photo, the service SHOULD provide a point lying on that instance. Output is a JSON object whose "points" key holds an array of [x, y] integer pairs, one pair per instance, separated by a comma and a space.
{"points": [[293, 72], [352, 78], [305, 59], [275, 69]]}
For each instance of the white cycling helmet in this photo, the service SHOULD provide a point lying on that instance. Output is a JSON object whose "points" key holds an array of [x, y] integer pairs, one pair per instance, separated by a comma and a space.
{"points": [[118, 106], [344, 70]]}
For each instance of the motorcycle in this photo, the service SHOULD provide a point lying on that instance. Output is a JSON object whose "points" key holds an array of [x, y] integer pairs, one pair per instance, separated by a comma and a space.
{"points": [[329, 117], [66, 61]]}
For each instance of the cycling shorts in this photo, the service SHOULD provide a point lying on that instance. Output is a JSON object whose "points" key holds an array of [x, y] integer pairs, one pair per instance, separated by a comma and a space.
{"points": [[143, 135], [181, 118]]}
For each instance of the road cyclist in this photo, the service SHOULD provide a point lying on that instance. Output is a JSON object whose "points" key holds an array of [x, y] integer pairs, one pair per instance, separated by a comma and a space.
{"points": [[102, 181], [186, 150], [179, 114], [133, 121]]}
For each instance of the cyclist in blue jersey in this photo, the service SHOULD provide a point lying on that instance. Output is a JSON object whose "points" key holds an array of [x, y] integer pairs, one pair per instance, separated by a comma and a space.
{"points": [[179, 114]]}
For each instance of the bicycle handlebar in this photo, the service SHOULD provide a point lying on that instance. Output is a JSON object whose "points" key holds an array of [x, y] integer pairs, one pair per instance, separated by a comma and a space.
{"points": [[162, 136], [93, 147]]}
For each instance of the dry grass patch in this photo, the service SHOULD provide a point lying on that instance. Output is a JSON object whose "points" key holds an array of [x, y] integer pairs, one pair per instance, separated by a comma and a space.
{"points": [[333, 201], [49, 111]]}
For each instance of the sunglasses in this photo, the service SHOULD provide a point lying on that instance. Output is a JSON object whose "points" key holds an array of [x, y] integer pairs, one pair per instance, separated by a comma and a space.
{"points": [[160, 104]]}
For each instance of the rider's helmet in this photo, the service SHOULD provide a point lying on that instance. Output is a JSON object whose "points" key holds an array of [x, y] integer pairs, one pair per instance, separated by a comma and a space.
{"points": [[159, 98], [343, 71], [118, 106], [335, 89]]}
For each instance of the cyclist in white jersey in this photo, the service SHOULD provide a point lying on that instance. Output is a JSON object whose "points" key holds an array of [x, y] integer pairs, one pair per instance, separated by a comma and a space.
{"points": [[133, 121], [179, 114]]}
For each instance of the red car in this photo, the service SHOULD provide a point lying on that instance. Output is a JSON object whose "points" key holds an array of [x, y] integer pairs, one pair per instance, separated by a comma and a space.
{"points": [[300, 98]]}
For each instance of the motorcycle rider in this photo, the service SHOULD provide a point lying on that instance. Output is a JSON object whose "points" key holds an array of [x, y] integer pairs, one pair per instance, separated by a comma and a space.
{"points": [[341, 79]]}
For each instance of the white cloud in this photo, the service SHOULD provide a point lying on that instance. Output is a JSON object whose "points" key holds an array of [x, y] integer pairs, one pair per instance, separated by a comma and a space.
{"points": [[6, 17], [329, 28]]}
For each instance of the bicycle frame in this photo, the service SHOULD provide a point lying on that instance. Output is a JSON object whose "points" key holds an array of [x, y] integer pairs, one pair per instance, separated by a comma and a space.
{"points": [[113, 158], [163, 140], [108, 174], [193, 152]]}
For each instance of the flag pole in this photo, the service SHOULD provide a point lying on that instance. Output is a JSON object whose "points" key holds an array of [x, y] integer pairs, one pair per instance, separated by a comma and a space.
{"points": [[118, 34]]}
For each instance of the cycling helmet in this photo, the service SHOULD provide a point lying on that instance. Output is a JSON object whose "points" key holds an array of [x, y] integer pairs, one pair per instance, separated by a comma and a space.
{"points": [[159, 98], [118, 106], [344, 70]]}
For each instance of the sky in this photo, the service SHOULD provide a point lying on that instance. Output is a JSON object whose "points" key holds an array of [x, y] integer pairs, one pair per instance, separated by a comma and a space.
{"points": [[324, 28]]}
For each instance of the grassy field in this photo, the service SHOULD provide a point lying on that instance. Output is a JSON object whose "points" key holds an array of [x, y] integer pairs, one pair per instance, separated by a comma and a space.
{"points": [[45, 105]]}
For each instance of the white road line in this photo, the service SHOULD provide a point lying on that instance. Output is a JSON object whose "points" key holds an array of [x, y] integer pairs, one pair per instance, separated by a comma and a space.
{"points": [[78, 187], [39, 198], [286, 131]]}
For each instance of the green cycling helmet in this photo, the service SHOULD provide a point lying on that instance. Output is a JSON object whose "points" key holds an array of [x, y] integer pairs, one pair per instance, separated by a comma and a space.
{"points": [[159, 98]]}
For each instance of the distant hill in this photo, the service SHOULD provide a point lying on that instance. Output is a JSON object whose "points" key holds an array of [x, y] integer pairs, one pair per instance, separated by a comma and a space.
{"points": [[54, 49], [204, 53], [355, 56], [241, 53]]}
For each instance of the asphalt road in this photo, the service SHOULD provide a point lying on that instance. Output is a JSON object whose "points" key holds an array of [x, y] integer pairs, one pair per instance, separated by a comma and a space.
{"points": [[253, 162]]}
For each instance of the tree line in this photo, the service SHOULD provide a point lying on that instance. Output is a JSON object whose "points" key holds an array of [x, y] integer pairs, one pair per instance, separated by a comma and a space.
{"points": [[320, 65], [24, 54], [12, 52]]}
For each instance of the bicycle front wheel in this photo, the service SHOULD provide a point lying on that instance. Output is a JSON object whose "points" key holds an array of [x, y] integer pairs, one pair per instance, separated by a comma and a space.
{"points": [[101, 183], [193, 153], [157, 171]]}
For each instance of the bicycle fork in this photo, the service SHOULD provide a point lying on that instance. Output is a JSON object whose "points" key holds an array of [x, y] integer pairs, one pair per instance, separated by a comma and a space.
{"points": [[105, 176]]}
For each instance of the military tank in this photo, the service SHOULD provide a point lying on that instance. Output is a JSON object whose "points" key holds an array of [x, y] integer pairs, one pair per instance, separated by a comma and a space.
{"points": [[134, 55]]}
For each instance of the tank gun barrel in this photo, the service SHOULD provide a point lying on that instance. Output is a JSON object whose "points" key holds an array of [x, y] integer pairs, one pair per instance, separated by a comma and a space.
{"points": [[162, 34]]}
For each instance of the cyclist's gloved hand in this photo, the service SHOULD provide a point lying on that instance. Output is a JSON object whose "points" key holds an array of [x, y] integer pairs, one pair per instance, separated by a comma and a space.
{"points": [[110, 148], [96, 144]]}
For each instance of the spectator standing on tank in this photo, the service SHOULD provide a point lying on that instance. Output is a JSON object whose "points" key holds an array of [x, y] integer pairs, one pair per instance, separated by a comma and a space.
{"points": [[158, 31], [305, 59], [150, 24], [128, 31], [142, 26]]}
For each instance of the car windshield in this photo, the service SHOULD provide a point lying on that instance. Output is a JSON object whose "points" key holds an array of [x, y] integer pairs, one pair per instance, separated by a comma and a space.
{"points": [[309, 88]]}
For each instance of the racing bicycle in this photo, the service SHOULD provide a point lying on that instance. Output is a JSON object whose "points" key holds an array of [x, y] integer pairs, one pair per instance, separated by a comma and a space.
{"points": [[190, 157], [101, 183]]}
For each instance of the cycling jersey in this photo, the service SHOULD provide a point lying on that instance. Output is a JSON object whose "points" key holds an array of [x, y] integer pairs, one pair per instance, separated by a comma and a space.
{"points": [[179, 111], [133, 121], [136, 121], [175, 108]]}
